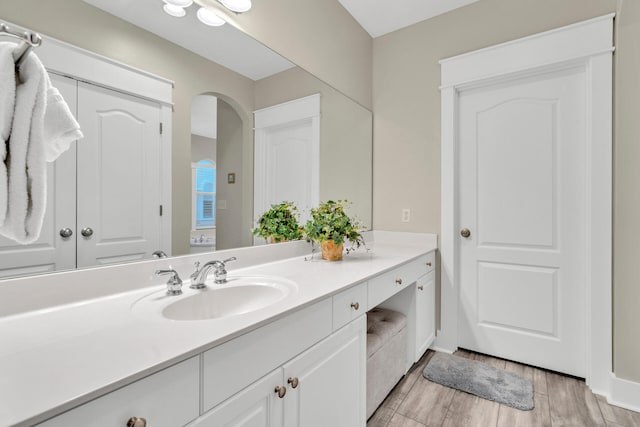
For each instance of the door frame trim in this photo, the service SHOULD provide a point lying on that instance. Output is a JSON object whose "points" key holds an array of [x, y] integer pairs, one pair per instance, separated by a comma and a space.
{"points": [[588, 43]]}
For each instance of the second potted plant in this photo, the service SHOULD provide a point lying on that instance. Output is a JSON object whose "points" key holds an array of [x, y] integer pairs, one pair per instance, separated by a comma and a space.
{"points": [[280, 223], [330, 226]]}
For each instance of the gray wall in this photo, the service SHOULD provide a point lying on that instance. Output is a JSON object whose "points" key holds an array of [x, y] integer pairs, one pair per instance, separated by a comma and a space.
{"points": [[406, 103], [229, 226]]}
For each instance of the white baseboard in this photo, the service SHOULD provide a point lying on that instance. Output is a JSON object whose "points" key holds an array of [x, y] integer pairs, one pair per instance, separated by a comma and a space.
{"points": [[441, 349], [624, 393]]}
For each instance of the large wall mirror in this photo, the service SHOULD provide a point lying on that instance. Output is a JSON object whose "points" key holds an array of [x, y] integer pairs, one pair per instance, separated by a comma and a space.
{"points": [[221, 77]]}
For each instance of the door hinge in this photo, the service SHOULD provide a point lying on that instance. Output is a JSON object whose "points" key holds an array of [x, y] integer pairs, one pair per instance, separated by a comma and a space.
{"points": [[160, 210], [160, 128]]}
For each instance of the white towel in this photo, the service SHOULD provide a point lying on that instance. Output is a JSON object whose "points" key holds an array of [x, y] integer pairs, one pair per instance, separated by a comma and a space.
{"points": [[60, 127], [7, 103], [42, 129]]}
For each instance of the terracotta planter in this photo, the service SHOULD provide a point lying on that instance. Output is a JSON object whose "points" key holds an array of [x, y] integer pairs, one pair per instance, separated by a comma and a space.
{"points": [[272, 240], [330, 251]]}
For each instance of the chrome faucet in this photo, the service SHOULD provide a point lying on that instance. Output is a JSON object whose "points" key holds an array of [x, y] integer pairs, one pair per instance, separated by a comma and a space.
{"points": [[200, 275], [174, 284]]}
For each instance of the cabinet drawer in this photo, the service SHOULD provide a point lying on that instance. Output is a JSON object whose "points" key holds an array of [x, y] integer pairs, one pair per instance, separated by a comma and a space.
{"points": [[168, 398], [388, 284], [234, 365], [349, 304]]}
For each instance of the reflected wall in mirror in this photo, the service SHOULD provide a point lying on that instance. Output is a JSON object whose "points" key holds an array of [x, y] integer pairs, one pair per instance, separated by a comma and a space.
{"points": [[346, 127]]}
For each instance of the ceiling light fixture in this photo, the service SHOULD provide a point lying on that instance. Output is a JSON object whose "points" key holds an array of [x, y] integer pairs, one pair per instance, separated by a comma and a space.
{"points": [[173, 10], [239, 6], [209, 17], [179, 3]]}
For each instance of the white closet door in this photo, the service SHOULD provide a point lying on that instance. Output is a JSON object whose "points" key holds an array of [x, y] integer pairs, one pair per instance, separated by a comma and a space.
{"points": [[51, 252], [118, 177], [523, 198]]}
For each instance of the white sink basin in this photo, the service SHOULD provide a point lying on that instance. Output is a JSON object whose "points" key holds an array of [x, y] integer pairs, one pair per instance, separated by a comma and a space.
{"points": [[238, 296]]}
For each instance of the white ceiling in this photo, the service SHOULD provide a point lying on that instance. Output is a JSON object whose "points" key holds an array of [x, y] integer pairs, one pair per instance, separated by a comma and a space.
{"points": [[380, 17], [219, 44]]}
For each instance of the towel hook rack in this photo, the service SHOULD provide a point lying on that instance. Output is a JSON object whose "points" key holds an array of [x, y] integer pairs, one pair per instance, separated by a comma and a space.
{"points": [[29, 40]]}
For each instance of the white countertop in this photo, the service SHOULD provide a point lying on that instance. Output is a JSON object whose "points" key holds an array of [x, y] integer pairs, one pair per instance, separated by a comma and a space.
{"points": [[56, 358]]}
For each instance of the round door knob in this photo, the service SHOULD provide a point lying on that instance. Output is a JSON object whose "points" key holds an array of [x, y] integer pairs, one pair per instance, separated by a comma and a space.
{"points": [[399, 281], [465, 232], [136, 422], [281, 391], [87, 232], [293, 381], [66, 233], [355, 306], [428, 263], [420, 288]]}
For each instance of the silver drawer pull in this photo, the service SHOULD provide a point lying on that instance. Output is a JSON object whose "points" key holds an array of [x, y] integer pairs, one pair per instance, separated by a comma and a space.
{"points": [[355, 306], [399, 281], [428, 263], [421, 288], [293, 381]]}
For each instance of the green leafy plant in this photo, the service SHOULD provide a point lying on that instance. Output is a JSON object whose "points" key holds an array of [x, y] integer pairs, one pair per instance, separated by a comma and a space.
{"points": [[280, 223], [329, 221]]}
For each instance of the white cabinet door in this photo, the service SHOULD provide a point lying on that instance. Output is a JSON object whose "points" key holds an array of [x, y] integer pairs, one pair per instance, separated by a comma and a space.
{"points": [[329, 381], [425, 313], [258, 405], [51, 252], [118, 177]]}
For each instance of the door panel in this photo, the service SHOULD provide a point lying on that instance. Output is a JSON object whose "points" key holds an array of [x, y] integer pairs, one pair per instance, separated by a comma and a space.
{"points": [[331, 381], [120, 204], [522, 194], [50, 252], [255, 406]]}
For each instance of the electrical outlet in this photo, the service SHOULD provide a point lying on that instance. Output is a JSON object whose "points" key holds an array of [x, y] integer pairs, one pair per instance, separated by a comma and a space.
{"points": [[406, 215]]}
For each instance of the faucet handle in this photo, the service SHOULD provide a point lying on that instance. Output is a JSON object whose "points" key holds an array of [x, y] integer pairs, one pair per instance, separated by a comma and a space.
{"points": [[174, 284], [221, 272]]}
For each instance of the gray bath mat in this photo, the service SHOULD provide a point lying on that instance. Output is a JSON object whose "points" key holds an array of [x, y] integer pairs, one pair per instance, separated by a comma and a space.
{"points": [[480, 379]]}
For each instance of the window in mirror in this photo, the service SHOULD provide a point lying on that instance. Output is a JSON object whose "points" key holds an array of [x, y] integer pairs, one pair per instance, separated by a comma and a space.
{"points": [[204, 194]]}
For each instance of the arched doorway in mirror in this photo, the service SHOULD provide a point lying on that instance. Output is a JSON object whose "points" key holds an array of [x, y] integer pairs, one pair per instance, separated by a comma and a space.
{"points": [[216, 172]]}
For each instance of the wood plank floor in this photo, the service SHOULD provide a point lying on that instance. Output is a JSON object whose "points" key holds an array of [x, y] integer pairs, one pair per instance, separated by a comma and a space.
{"points": [[559, 401]]}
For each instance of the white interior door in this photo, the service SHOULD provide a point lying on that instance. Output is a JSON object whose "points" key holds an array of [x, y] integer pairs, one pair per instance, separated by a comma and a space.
{"points": [[51, 252], [522, 196], [287, 156], [118, 177]]}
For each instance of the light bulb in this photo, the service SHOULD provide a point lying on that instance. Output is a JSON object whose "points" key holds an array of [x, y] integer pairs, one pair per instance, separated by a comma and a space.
{"points": [[237, 5], [179, 3], [209, 17], [173, 10]]}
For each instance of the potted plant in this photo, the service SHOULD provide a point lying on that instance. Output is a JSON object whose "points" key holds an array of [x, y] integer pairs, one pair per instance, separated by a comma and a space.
{"points": [[330, 226], [280, 223]]}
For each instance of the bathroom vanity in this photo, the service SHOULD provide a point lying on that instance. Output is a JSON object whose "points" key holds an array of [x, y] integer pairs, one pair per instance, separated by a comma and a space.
{"points": [[113, 359]]}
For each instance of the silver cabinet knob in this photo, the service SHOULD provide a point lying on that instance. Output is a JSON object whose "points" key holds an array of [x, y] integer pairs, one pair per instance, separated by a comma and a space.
{"points": [[420, 288], [465, 232], [280, 391], [66, 232], [399, 281], [136, 422], [87, 232], [355, 306], [293, 381]]}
